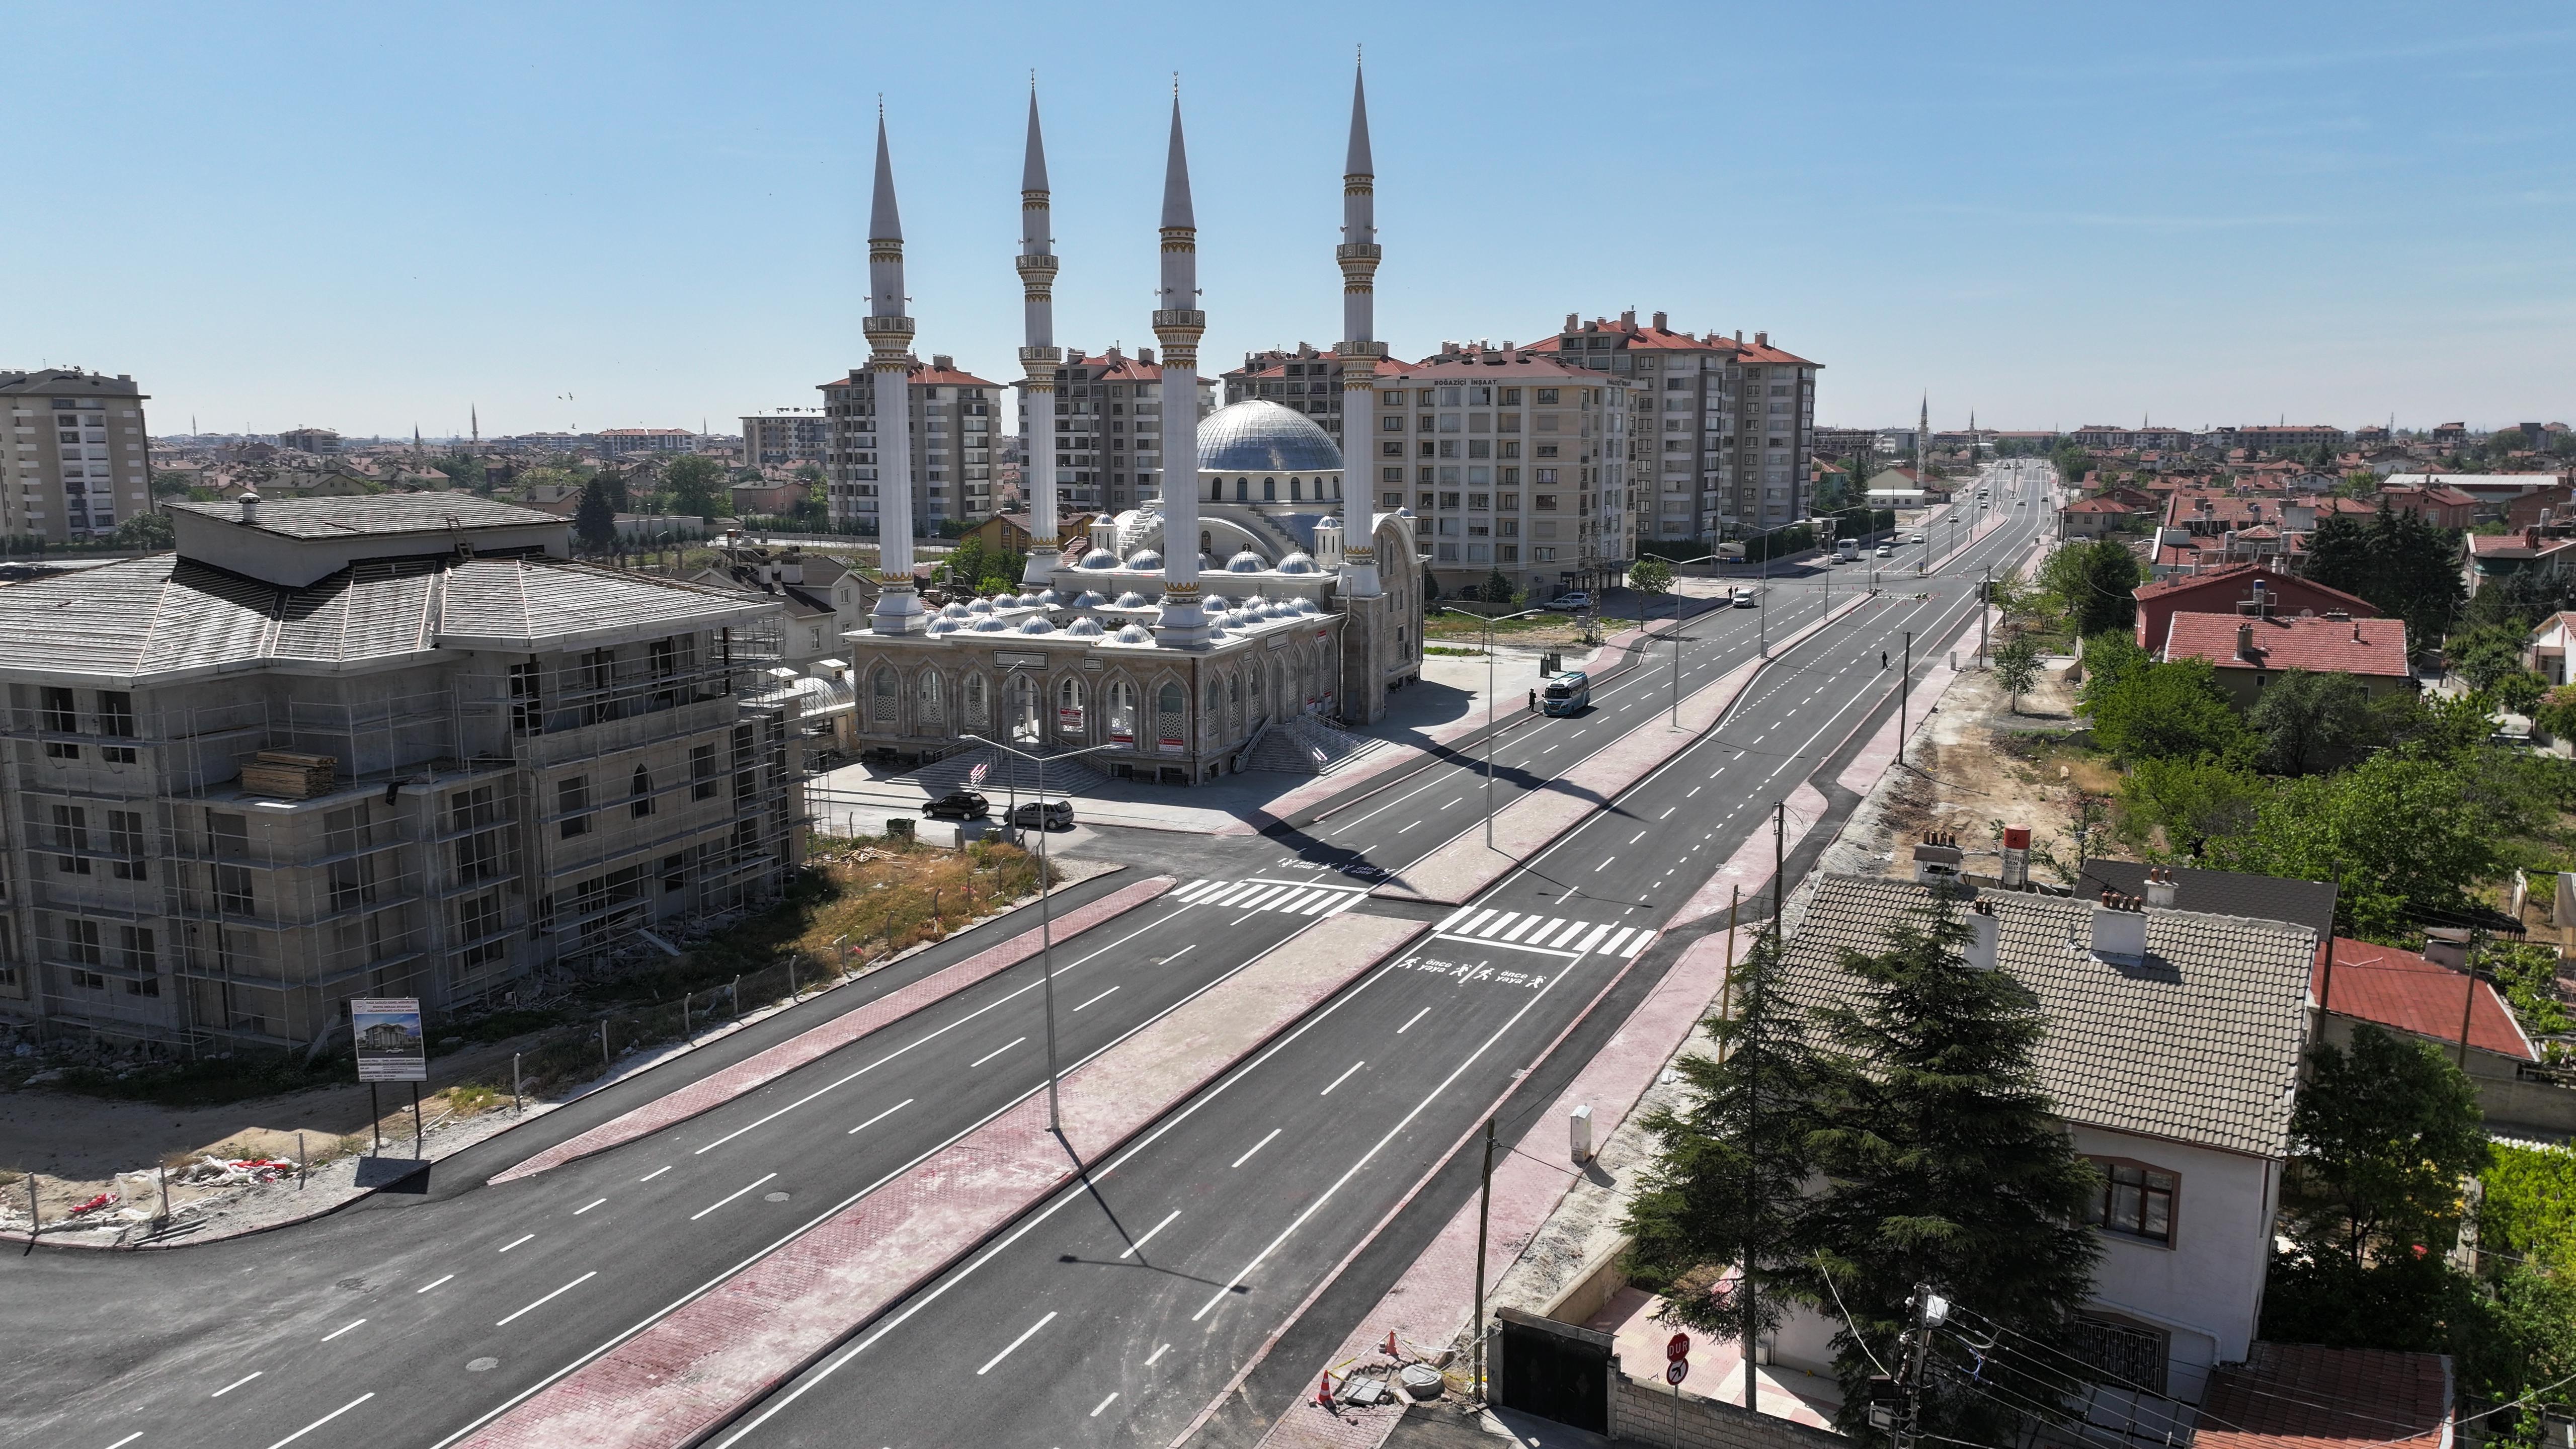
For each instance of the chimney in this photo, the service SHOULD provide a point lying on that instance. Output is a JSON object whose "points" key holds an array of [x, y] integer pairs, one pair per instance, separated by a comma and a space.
{"points": [[2531, 537], [1739, 337], [2162, 887], [250, 507], [1659, 323], [2447, 946], [1145, 355], [1985, 933], [1573, 320], [1761, 339], [1936, 859], [1628, 318], [2119, 928], [2245, 641], [2016, 867]]}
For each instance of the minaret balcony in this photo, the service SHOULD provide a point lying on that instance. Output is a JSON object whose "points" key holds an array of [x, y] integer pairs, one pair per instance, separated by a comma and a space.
{"points": [[1049, 357], [1359, 252], [1177, 317], [893, 327], [1038, 264]]}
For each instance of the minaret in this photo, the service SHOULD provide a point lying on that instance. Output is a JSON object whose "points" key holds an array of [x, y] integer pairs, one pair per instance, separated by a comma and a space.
{"points": [[1178, 325], [889, 333], [474, 420], [1040, 358], [1359, 353], [1923, 442]]}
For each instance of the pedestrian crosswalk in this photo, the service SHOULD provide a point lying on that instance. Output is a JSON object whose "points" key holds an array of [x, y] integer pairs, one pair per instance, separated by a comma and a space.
{"points": [[1295, 898], [1556, 935]]}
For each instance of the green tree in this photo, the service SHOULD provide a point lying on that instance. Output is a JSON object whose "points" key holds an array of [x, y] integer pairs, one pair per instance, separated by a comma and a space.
{"points": [[2339, 554], [1652, 577], [594, 521], [2190, 800], [2169, 710], [2311, 722], [1728, 1182], [2486, 655], [1498, 588], [2521, 691], [612, 482], [2405, 833], [2093, 580], [2017, 668], [150, 530], [694, 480], [1941, 1159]]}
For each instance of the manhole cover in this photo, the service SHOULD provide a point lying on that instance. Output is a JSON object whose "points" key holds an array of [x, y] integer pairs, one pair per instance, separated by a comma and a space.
{"points": [[774, 1197], [481, 1365]]}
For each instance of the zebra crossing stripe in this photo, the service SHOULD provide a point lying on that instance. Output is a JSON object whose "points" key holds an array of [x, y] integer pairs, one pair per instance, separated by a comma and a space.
{"points": [[1331, 898], [1346, 902], [1292, 901], [1586, 948], [1468, 927], [1453, 918], [1611, 946], [1191, 892], [1568, 934], [1505, 919], [1638, 944], [1514, 933]]}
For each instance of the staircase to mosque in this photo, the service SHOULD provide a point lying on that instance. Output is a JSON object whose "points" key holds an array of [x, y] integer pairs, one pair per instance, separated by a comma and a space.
{"points": [[1004, 773], [1304, 745]]}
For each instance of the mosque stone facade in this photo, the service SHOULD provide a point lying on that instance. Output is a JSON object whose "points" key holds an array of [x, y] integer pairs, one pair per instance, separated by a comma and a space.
{"points": [[1175, 633]]}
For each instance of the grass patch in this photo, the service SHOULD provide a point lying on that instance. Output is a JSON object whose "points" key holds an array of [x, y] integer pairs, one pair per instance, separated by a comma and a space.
{"points": [[1453, 653]]}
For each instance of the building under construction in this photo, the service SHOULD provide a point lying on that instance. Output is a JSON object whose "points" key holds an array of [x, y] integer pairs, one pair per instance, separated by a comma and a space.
{"points": [[383, 746]]}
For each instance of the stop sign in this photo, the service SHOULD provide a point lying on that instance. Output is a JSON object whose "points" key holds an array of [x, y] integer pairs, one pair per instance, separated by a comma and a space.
{"points": [[1678, 1348]]}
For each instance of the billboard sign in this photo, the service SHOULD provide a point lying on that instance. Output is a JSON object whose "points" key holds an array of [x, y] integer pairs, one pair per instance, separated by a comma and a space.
{"points": [[390, 1045]]}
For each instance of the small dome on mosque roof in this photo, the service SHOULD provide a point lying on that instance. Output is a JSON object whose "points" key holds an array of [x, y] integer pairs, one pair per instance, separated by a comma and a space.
{"points": [[1134, 600], [952, 610], [1135, 634], [990, 624], [1037, 624], [1083, 628], [1246, 562], [1144, 558], [1099, 558], [980, 606], [1087, 599], [1260, 436], [1297, 563]]}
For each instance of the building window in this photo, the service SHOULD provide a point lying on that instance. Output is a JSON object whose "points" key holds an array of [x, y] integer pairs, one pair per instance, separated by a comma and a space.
{"points": [[125, 842], [639, 793], [571, 798], [2136, 1200], [71, 833], [116, 721], [60, 717], [702, 769]]}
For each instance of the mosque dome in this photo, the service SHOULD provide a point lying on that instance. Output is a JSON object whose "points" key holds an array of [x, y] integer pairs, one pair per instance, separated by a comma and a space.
{"points": [[1246, 562], [942, 624], [1087, 599], [1048, 598], [1135, 634], [990, 624], [1260, 436], [1099, 558], [1037, 624], [952, 610], [1083, 629], [1144, 558], [1297, 563], [980, 606], [1134, 600]]}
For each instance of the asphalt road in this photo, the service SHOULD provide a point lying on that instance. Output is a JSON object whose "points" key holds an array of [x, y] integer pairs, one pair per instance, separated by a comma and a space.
{"points": [[411, 1319], [1119, 1309]]}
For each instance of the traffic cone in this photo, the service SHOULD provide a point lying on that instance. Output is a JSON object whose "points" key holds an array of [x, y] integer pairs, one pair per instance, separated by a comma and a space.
{"points": [[1390, 1343], [1324, 1392]]}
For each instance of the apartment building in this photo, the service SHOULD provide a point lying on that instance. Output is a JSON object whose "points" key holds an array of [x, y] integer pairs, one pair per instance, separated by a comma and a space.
{"points": [[318, 441], [1300, 379], [952, 446], [77, 463], [1511, 461], [619, 442], [388, 745], [1723, 426], [788, 438]]}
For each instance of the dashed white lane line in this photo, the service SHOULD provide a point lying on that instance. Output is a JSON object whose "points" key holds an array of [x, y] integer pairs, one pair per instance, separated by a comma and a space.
{"points": [[1604, 865], [432, 1283], [720, 1202], [577, 1282], [995, 1052], [1408, 1025], [656, 1172], [1257, 1146], [1633, 839], [1453, 802], [1157, 1353], [343, 1328], [1132, 1248], [1409, 827], [881, 1116], [318, 1423], [585, 1207], [228, 1388], [1027, 1334], [137, 1434], [1104, 1403], [1344, 1077], [514, 1242], [1112, 991]]}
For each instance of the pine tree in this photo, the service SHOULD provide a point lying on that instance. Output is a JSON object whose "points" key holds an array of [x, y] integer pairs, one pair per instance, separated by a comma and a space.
{"points": [[2339, 555], [1729, 1181], [594, 520], [1944, 1162]]}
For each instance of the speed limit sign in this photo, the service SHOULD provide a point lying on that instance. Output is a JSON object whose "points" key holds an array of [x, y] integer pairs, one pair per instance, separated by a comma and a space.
{"points": [[1676, 1371]]}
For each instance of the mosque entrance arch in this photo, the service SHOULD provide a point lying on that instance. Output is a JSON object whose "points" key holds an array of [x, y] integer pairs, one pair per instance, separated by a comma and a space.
{"points": [[1020, 703]]}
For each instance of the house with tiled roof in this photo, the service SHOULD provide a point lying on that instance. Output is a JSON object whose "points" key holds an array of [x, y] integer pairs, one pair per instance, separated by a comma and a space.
{"points": [[2494, 556], [2304, 1396], [2092, 518], [2428, 995], [2249, 651], [2171, 1049], [2440, 504], [2549, 646], [2250, 588]]}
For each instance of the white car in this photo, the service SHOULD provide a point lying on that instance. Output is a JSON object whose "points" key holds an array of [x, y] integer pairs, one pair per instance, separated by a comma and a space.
{"points": [[1917, 538], [1570, 603], [1883, 551]]}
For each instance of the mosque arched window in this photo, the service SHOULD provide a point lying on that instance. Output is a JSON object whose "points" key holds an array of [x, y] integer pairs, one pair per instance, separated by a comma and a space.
{"points": [[1296, 490], [1122, 713], [882, 689], [1216, 490], [1171, 706], [1242, 490], [1269, 490], [934, 711], [1068, 707], [978, 703]]}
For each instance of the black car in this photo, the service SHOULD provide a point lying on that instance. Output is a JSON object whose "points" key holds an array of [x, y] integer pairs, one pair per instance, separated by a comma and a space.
{"points": [[1362, 870], [959, 805], [1051, 815]]}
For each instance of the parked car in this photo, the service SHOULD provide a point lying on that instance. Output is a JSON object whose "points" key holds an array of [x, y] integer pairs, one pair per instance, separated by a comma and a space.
{"points": [[1362, 870], [1569, 603], [959, 805], [1044, 815]]}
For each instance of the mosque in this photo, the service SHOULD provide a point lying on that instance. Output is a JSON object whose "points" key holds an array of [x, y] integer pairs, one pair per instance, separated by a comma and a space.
{"points": [[1252, 593]]}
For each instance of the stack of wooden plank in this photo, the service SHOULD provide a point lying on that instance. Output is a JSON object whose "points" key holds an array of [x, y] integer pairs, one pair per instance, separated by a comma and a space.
{"points": [[289, 776]]}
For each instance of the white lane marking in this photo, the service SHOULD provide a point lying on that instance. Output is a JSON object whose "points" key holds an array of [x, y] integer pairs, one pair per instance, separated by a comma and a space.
{"points": [[228, 1388], [575, 1283], [1604, 865], [1256, 1147], [1345, 903], [995, 1052], [1505, 919], [1112, 991], [1014, 1344], [1409, 827], [316, 1424], [1408, 1025], [881, 1116], [432, 1283], [1363, 1160], [1638, 944], [1640, 835], [1191, 891], [1695, 789], [585, 1207], [1515, 932], [1503, 946], [1257, 899], [1668, 812], [514, 1242], [728, 1197], [656, 1172], [1136, 1246], [137, 1434], [1344, 1077], [1157, 1353], [1611, 946], [1452, 918], [934, 1034], [1480, 917], [1104, 1403], [343, 1328], [1568, 934], [1300, 900], [1391, 804], [1453, 802]]}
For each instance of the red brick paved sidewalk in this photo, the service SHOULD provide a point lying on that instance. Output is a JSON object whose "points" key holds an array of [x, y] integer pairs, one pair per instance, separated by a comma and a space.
{"points": [[750, 1075]]}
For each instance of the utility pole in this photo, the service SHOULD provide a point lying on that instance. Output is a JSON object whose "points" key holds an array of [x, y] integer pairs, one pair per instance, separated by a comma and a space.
{"points": [[1904, 695], [1930, 1311], [1985, 600], [1484, 1211]]}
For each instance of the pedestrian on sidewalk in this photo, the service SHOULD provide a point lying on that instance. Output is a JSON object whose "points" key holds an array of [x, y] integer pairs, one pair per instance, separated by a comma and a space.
{"points": [[1533, 705]]}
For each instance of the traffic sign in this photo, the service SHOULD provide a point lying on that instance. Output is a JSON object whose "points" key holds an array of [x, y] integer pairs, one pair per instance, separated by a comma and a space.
{"points": [[1676, 1371], [1679, 1347]]}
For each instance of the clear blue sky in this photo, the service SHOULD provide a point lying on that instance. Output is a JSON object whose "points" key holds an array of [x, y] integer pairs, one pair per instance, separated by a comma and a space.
{"points": [[366, 217]]}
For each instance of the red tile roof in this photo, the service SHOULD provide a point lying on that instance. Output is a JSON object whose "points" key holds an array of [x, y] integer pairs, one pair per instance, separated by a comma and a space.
{"points": [[2371, 647], [1118, 366], [2300, 1396], [2401, 989], [1519, 365], [2097, 505]]}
